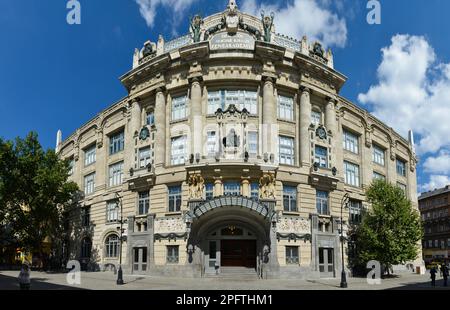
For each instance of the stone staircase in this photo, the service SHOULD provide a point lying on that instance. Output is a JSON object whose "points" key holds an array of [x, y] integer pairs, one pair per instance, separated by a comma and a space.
{"points": [[235, 273]]}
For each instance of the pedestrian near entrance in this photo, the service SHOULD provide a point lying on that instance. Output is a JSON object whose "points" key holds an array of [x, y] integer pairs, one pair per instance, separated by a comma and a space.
{"points": [[433, 272], [444, 274], [24, 277]]}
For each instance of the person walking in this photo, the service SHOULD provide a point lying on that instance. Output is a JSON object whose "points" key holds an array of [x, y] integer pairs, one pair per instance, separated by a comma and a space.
{"points": [[445, 274], [433, 272], [24, 277]]}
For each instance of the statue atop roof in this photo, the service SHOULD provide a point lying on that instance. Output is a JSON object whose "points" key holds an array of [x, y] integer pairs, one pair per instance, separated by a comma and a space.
{"points": [[232, 6], [267, 22], [196, 23]]}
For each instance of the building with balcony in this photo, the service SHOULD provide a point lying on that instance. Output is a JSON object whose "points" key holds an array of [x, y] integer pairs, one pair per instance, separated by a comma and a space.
{"points": [[233, 148], [434, 208]]}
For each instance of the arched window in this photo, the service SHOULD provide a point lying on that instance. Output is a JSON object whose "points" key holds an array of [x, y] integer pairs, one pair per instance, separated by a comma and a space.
{"points": [[86, 246], [112, 246]]}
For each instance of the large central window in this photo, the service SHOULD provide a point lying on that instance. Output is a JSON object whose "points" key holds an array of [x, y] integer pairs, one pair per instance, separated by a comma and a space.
{"points": [[179, 108], [178, 156], [286, 150], [321, 157], [242, 99], [145, 157], [232, 188], [286, 108]]}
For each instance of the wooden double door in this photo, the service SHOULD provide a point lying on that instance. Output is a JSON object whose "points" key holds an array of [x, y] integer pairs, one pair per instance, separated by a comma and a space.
{"points": [[238, 253]]}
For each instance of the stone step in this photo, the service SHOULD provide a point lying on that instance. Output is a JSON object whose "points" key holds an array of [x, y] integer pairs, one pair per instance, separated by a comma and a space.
{"points": [[235, 273]]}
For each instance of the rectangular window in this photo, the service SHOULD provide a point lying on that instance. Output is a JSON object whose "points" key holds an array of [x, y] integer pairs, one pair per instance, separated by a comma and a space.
{"points": [[211, 143], [112, 212], [316, 118], [175, 198], [86, 217], [401, 168], [116, 174], [145, 157], [292, 255], [71, 166], [214, 102], [355, 210], [254, 190], [286, 108], [290, 198], [351, 174], [172, 254], [232, 188], [89, 184], [253, 143], [378, 176], [179, 108], [321, 157], [116, 143], [151, 119], [209, 191], [89, 156], [402, 187], [286, 150], [322, 202], [430, 243], [179, 154], [144, 203], [351, 142], [242, 99], [378, 155]]}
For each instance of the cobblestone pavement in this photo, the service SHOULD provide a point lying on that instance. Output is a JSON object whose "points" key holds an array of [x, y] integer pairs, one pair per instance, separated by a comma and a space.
{"points": [[107, 281]]}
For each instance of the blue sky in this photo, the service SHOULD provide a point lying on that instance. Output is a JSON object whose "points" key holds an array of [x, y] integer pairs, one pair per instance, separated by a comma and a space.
{"points": [[58, 76]]}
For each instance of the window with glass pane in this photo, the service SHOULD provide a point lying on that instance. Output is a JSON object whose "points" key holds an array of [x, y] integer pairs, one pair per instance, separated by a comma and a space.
{"points": [[86, 217], [89, 156], [321, 157], [144, 203], [351, 142], [174, 198], [254, 190], [351, 174], [112, 212], [316, 118], [214, 102], [322, 202], [286, 150], [209, 191], [402, 187], [241, 99], [86, 246], [151, 119], [179, 108], [232, 188], [378, 176], [178, 156], [116, 143], [172, 254], [401, 168], [112, 246], [71, 166], [211, 143], [115, 174], [253, 143], [145, 157], [290, 198], [378, 155], [355, 210], [286, 108], [292, 255], [89, 184]]}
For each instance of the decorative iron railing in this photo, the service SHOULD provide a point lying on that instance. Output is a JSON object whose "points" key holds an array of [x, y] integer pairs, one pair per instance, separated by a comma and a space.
{"points": [[177, 43], [287, 42]]}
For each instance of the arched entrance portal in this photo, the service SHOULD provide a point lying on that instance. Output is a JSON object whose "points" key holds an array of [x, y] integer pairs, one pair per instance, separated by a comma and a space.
{"points": [[231, 232]]}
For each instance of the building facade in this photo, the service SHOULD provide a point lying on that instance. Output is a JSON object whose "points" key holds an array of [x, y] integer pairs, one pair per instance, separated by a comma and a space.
{"points": [[233, 148], [434, 207]]}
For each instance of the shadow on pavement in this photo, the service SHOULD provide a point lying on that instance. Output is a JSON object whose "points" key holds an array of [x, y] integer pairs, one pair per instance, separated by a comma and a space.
{"points": [[11, 283], [423, 286]]}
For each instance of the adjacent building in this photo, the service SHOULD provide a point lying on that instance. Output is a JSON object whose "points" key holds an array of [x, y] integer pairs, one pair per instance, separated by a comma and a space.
{"points": [[434, 207], [233, 148]]}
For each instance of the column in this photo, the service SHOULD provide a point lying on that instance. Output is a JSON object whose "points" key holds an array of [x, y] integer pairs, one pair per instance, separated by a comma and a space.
{"points": [[218, 188], [245, 188], [305, 121], [269, 116], [135, 117], [160, 123], [330, 116], [196, 117]]}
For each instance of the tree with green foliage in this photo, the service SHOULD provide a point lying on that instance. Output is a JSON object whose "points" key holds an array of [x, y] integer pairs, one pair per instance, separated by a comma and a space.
{"points": [[391, 230], [35, 193]]}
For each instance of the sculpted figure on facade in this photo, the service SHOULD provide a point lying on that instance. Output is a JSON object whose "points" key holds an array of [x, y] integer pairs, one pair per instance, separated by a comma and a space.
{"points": [[196, 185], [196, 23], [267, 22], [267, 186]]}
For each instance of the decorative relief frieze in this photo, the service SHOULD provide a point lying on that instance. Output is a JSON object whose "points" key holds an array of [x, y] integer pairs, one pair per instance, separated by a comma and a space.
{"points": [[169, 225], [295, 225]]}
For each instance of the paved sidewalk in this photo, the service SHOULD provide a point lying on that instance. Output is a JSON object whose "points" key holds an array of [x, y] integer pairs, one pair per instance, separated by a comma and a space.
{"points": [[107, 281]]}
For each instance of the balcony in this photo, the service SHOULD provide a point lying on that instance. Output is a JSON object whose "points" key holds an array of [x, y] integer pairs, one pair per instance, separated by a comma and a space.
{"points": [[141, 178], [324, 177]]}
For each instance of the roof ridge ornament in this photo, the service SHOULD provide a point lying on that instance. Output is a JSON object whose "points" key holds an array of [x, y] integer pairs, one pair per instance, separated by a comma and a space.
{"points": [[232, 6]]}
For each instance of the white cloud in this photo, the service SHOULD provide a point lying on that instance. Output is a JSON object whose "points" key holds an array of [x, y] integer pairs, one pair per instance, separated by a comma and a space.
{"points": [[438, 164], [148, 8], [436, 182], [312, 18]]}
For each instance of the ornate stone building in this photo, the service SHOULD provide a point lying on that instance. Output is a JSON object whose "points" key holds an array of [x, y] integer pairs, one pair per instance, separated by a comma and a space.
{"points": [[233, 148]]}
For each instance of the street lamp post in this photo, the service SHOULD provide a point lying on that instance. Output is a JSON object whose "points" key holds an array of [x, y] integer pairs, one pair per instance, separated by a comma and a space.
{"points": [[344, 203], [120, 273]]}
